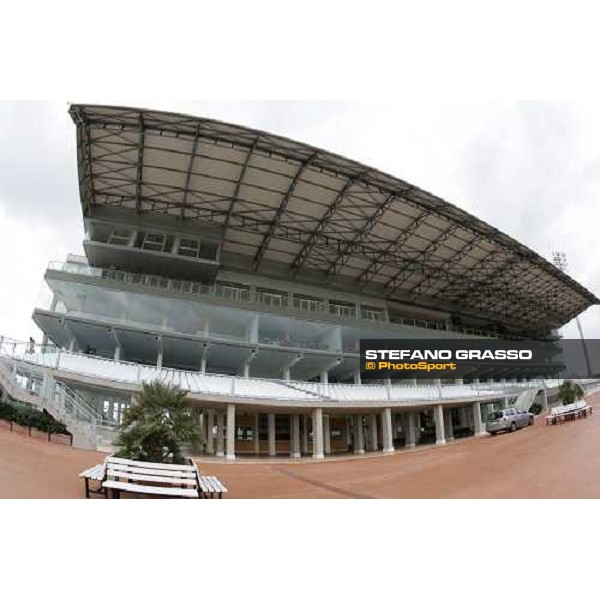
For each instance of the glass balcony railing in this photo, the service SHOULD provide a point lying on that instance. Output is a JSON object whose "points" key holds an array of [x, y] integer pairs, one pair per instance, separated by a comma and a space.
{"points": [[272, 300]]}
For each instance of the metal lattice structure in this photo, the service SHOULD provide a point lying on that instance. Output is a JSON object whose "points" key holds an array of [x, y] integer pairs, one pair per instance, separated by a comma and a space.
{"points": [[316, 215]]}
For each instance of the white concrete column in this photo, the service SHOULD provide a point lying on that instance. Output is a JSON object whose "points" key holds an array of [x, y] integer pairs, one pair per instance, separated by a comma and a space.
{"points": [[324, 377], [295, 436], [386, 430], [286, 374], [304, 437], [477, 422], [272, 442], [448, 425], [231, 431], [256, 433], [317, 437], [372, 441], [438, 416], [247, 370], [359, 438], [357, 379], [220, 434], [117, 355], [326, 434], [210, 434], [544, 399]]}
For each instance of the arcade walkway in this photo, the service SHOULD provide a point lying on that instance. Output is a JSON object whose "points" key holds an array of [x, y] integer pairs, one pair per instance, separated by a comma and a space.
{"points": [[537, 462]]}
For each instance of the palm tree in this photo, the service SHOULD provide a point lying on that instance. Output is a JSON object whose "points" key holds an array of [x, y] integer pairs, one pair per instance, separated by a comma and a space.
{"points": [[569, 392], [156, 424]]}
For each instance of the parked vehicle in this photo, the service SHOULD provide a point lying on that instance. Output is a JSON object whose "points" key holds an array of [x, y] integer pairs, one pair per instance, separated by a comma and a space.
{"points": [[508, 419]]}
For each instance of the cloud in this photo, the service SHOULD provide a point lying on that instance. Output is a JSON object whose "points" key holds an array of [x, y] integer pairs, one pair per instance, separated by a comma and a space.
{"points": [[529, 168]]}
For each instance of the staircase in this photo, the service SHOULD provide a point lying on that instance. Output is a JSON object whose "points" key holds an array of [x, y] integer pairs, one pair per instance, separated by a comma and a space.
{"points": [[62, 402], [298, 388], [527, 398]]}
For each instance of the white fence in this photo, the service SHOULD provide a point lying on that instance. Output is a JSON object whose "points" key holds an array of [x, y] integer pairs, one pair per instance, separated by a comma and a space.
{"points": [[225, 385]]}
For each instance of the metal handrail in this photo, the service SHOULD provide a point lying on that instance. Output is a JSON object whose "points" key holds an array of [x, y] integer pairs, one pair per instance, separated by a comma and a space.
{"points": [[20, 351], [244, 295]]}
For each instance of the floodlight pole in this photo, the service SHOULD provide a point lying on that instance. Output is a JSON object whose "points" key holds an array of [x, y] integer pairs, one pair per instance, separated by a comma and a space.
{"points": [[560, 261]]}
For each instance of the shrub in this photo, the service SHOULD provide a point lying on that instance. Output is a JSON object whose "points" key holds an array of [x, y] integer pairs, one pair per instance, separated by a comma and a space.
{"points": [[156, 425], [569, 392], [30, 417]]}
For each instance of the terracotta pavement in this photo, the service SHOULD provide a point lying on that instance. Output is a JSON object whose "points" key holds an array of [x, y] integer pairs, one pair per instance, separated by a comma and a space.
{"points": [[537, 462]]}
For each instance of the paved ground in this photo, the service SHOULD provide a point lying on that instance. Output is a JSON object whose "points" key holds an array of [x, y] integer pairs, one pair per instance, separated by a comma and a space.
{"points": [[538, 462]]}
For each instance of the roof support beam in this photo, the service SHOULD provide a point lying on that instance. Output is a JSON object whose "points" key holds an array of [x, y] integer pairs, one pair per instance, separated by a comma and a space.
{"points": [[139, 165], [393, 284], [90, 191], [370, 223], [281, 210], [238, 185], [376, 264], [188, 175], [323, 222], [293, 361]]}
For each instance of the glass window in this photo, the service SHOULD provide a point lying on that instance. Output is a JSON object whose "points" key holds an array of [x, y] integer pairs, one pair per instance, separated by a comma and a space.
{"points": [[154, 241], [189, 247], [120, 236]]}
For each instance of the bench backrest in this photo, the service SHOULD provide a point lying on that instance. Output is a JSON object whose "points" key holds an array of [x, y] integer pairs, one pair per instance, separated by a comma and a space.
{"points": [[146, 473], [567, 408], [150, 465]]}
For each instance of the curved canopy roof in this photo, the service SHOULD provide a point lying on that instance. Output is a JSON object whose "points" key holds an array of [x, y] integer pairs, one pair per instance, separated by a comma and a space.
{"points": [[312, 213]]}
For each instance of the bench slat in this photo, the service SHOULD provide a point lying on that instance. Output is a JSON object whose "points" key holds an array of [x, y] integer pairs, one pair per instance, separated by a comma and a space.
{"points": [[144, 471], [211, 485], [152, 478], [146, 489], [96, 473], [218, 484], [150, 465]]}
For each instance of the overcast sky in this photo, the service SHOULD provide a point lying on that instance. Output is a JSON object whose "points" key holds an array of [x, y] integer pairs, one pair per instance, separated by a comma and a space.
{"points": [[531, 169]]}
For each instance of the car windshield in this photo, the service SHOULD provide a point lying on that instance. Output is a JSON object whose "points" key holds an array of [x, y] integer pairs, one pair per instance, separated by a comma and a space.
{"points": [[495, 416]]}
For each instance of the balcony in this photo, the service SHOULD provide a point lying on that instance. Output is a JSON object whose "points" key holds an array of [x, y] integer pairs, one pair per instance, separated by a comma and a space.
{"points": [[248, 297]]}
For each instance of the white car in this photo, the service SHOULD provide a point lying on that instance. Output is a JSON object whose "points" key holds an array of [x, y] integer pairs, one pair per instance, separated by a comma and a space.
{"points": [[507, 419]]}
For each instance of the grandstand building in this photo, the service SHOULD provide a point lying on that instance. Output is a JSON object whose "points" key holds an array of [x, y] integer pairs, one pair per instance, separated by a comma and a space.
{"points": [[246, 268]]}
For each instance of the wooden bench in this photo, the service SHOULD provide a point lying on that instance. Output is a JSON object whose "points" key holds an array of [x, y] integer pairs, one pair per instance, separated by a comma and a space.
{"points": [[157, 479], [210, 486], [575, 410], [137, 477], [96, 473]]}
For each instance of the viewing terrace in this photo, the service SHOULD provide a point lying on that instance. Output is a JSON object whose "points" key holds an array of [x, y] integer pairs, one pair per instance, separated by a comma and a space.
{"points": [[74, 364], [279, 301]]}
